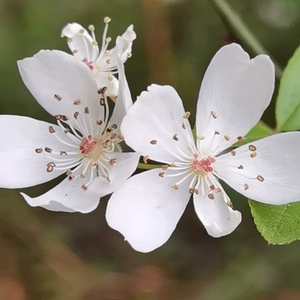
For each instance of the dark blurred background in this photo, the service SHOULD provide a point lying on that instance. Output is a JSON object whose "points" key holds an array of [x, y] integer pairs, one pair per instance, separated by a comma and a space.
{"points": [[58, 256]]}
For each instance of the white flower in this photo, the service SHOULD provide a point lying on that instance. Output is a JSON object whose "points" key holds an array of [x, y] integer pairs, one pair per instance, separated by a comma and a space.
{"points": [[234, 94], [83, 144], [102, 62]]}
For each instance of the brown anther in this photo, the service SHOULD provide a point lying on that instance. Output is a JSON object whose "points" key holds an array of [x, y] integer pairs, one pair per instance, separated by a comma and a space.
{"points": [[201, 138], [63, 153], [57, 97], [240, 167], [77, 102], [38, 150], [175, 187], [217, 132], [114, 126], [51, 129], [81, 31], [108, 61], [75, 51], [121, 137], [212, 187], [260, 178], [102, 101], [76, 114], [69, 172], [102, 90], [84, 187], [86, 110], [252, 148], [112, 161], [226, 137], [253, 154], [183, 126], [161, 174], [67, 130], [51, 164], [246, 186], [50, 168], [71, 177], [233, 153], [113, 136], [213, 114], [69, 40], [196, 191], [58, 117], [49, 150], [191, 191], [175, 138], [153, 142], [240, 138], [94, 43], [173, 164], [145, 159], [99, 122], [229, 203], [110, 78], [211, 196], [64, 118], [82, 176], [164, 167], [186, 115], [217, 190]]}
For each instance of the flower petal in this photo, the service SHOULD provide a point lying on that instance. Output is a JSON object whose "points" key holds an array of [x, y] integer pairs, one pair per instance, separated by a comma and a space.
{"points": [[217, 217], [21, 165], [56, 80], [154, 125], [267, 170], [234, 93], [124, 100], [68, 196], [146, 209], [80, 42]]}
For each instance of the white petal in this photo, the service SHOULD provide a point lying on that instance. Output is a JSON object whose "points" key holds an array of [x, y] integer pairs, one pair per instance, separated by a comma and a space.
{"points": [[271, 176], [125, 165], [234, 93], [20, 165], [68, 196], [127, 38], [146, 209], [51, 73], [80, 42], [124, 100], [217, 217], [157, 116]]}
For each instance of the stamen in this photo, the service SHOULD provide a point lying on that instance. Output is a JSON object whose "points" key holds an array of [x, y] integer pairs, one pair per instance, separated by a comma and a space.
{"points": [[102, 101], [183, 126], [77, 102], [86, 110], [38, 150], [229, 203], [107, 20], [51, 129], [175, 138], [99, 122], [226, 137], [63, 153], [211, 196], [57, 97], [253, 154], [186, 115], [252, 148], [76, 114], [175, 187], [153, 142], [240, 167], [233, 153], [164, 167], [240, 138], [217, 190], [213, 114], [84, 187], [161, 174], [260, 178], [217, 132], [201, 138], [49, 150], [246, 186], [145, 159]]}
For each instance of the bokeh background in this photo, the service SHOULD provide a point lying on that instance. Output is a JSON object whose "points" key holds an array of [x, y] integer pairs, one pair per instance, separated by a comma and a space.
{"points": [[59, 256]]}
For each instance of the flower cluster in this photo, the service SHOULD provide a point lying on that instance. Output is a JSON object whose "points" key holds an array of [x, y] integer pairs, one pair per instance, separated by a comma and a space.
{"points": [[85, 143]]}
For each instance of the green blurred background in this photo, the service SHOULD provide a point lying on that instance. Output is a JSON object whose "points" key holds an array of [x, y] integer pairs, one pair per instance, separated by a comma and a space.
{"points": [[45, 255]]}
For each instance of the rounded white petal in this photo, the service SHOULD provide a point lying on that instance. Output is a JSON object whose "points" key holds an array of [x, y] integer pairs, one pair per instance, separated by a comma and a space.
{"points": [[124, 166], [21, 165], [217, 217], [147, 209], [56, 80], [68, 196], [268, 174], [80, 42], [153, 126], [234, 93]]}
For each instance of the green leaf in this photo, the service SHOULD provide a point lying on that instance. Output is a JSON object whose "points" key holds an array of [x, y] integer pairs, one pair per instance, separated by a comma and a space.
{"points": [[288, 100], [278, 224], [259, 131]]}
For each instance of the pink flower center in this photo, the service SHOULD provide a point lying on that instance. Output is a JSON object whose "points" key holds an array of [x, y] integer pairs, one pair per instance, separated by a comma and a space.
{"points": [[88, 63], [87, 145], [203, 164]]}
